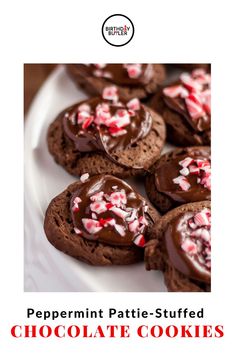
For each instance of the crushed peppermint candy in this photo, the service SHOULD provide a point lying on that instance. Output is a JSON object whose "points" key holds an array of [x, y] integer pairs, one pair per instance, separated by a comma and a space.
{"points": [[84, 177], [196, 241], [134, 71], [194, 88], [116, 122], [199, 167], [121, 217], [110, 93]]}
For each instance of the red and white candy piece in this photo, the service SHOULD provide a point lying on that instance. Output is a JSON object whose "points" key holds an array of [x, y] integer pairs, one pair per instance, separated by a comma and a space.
{"points": [[98, 207], [76, 202], [118, 198], [189, 246], [139, 241], [107, 221], [82, 116], [116, 131], [100, 66], [201, 219], [87, 122], [97, 196], [186, 162], [190, 84], [184, 171], [182, 182], [102, 114], [92, 226], [134, 70], [110, 93], [120, 119], [193, 90], [175, 91], [133, 226], [194, 106], [119, 212], [198, 167], [134, 104]]}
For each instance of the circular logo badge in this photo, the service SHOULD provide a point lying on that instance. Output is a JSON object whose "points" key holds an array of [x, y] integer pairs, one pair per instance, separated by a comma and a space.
{"points": [[118, 30]]}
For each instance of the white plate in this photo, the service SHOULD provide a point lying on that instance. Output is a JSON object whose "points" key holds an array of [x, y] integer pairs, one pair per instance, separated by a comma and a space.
{"points": [[46, 268]]}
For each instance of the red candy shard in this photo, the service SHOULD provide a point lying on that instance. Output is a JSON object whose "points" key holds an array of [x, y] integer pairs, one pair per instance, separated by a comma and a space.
{"points": [[195, 110], [194, 170], [87, 122], [190, 84], [115, 131], [139, 241], [109, 205], [107, 221], [82, 116], [75, 209]]}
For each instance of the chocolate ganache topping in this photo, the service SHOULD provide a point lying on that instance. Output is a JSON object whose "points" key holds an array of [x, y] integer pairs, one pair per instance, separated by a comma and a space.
{"points": [[191, 98], [106, 209], [188, 244], [106, 123], [119, 74], [185, 178]]}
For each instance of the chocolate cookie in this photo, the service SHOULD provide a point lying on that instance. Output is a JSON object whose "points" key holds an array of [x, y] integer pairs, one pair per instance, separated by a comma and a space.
{"points": [[186, 108], [100, 220], [107, 135], [180, 246], [180, 176], [133, 80]]}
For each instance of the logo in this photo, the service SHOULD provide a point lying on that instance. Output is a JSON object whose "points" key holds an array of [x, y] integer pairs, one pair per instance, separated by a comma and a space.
{"points": [[118, 30]]}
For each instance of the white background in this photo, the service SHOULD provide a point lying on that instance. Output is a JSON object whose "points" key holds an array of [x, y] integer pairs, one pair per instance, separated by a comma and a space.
{"points": [[170, 31]]}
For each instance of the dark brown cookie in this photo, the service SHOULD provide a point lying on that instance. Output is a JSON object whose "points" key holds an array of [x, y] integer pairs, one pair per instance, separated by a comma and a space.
{"points": [[194, 66], [59, 229], [95, 85], [146, 151], [156, 255], [161, 200], [179, 130]]}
